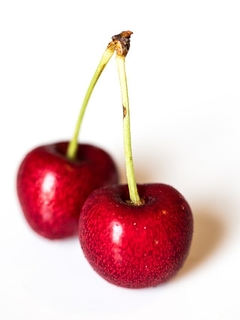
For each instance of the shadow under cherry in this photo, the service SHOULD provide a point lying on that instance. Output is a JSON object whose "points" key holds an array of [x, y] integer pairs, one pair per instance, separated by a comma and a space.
{"points": [[209, 232]]}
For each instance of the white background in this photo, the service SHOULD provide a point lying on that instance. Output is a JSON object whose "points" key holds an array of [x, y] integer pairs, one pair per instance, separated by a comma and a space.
{"points": [[183, 73]]}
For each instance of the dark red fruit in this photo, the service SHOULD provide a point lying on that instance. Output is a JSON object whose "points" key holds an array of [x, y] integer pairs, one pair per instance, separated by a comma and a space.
{"points": [[52, 189], [136, 246]]}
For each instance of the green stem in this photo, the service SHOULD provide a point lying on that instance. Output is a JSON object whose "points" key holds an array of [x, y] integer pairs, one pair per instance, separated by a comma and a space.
{"points": [[132, 186], [73, 144]]}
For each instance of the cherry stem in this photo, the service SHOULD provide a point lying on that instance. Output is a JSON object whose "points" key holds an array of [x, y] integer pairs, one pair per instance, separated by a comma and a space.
{"points": [[122, 48], [73, 144]]}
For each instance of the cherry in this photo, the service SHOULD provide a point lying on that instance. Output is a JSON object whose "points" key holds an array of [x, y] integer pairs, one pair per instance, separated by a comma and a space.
{"points": [[52, 189], [54, 180], [134, 235], [136, 246]]}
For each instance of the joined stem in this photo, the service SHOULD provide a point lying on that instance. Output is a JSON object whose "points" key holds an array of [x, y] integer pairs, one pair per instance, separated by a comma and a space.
{"points": [[121, 44]]}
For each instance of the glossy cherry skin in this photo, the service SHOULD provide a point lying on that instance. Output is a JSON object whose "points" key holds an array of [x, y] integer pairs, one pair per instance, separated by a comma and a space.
{"points": [[52, 189], [136, 246]]}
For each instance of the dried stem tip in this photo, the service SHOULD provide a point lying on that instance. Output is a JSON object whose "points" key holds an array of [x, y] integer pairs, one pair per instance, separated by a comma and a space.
{"points": [[121, 43]]}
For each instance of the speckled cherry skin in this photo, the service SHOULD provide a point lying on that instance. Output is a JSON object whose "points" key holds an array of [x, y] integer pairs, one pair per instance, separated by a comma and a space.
{"points": [[52, 189], [136, 246]]}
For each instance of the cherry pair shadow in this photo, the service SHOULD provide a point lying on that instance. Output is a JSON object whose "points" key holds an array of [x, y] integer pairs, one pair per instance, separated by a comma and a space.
{"points": [[209, 232]]}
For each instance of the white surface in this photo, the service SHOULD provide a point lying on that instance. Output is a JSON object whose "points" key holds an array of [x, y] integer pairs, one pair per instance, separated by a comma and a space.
{"points": [[184, 85]]}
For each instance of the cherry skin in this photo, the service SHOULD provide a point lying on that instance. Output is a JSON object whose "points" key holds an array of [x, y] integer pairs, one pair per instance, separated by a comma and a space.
{"points": [[136, 246], [52, 189]]}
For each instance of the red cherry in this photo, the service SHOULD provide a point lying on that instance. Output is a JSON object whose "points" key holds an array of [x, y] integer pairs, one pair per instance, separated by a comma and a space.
{"points": [[52, 189], [136, 246]]}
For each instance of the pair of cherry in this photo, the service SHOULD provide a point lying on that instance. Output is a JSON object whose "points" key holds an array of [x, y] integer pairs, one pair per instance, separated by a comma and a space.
{"points": [[133, 235]]}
